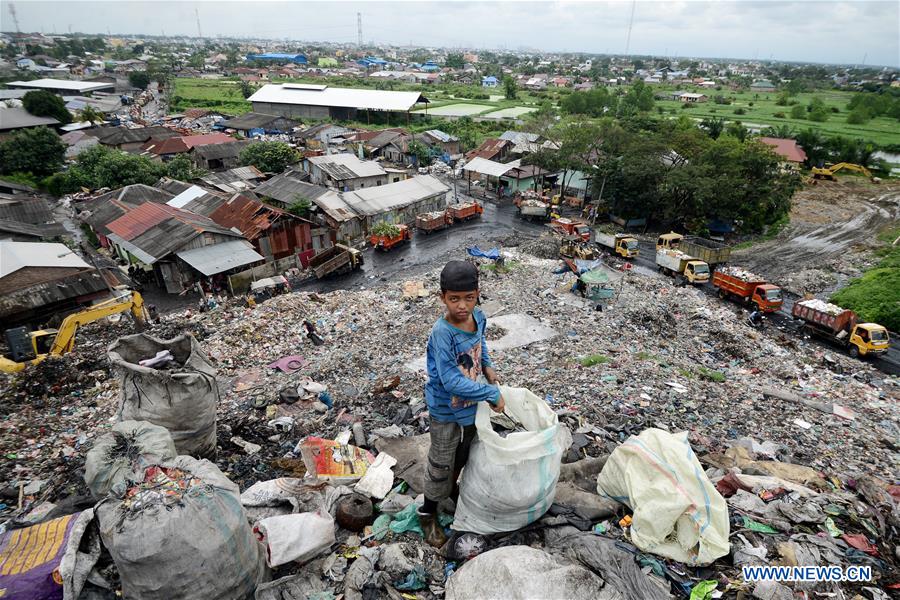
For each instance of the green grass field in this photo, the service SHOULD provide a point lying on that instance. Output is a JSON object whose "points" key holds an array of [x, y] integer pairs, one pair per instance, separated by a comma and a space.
{"points": [[881, 131], [217, 94], [225, 96]]}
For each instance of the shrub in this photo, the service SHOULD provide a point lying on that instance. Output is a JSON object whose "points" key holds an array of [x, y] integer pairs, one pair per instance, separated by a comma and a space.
{"points": [[740, 111], [779, 115]]}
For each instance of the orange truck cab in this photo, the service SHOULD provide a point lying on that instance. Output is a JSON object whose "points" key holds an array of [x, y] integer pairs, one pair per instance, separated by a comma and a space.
{"points": [[384, 242], [572, 227]]}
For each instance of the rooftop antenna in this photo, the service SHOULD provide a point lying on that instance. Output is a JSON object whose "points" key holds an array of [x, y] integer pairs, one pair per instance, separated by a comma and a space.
{"points": [[359, 29], [630, 23], [199, 31], [12, 12]]}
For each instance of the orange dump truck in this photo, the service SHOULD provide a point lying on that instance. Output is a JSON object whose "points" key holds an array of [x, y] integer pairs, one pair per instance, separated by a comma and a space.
{"points": [[747, 287], [841, 326], [465, 211], [433, 221], [386, 242], [572, 227]]}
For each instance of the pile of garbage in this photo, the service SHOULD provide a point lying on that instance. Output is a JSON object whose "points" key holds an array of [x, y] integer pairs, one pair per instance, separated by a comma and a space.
{"points": [[740, 273], [822, 306], [775, 452]]}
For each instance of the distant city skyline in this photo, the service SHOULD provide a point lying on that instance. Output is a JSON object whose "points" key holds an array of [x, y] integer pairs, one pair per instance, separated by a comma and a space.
{"points": [[801, 31]]}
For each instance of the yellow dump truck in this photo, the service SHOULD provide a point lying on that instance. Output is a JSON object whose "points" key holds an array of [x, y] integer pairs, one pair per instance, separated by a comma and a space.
{"points": [[681, 266]]}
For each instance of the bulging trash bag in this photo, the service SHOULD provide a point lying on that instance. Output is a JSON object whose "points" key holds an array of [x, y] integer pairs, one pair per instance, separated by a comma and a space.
{"points": [[182, 534], [521, 572], [125, 452], [677, 511], [510, 482], [180, 395]]}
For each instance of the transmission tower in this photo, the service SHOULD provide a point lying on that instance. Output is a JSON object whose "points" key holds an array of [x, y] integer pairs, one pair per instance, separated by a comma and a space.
{"points": [[630, 23], [199, 31], [359, 29], [12, 12]]}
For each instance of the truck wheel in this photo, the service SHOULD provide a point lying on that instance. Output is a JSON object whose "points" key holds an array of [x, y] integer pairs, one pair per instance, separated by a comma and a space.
{"points": [[721, 294], [854, 351]]}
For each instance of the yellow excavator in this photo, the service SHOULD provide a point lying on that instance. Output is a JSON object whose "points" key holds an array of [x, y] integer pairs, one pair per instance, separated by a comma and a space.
{"points": [[32, 347], [828, 172]]}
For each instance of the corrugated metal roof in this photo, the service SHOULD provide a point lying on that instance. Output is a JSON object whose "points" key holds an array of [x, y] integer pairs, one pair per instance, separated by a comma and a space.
{"points": [[277, 93], [234, 180], [486, 167], [346, 166], [115, 136], [333, 204], [376, 200], [59, 84], [286, 188], [217, 258], [50, 292], [184, 143], [172, 186], [219, 151], [249, 216], [17, 118], [18, 255], [489, 148], [16, 227], [441, 136], [255, 120], [133, 195]]}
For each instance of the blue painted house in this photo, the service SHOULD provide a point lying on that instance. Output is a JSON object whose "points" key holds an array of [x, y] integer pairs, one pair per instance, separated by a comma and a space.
{"points": [[489, 81]]}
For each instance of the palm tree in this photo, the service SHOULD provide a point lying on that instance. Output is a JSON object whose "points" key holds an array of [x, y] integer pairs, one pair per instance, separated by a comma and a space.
{"points": [[91, 115]]}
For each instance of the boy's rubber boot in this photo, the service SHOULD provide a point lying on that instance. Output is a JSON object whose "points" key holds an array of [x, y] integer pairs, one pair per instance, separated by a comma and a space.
{"points": [[434, 533]]}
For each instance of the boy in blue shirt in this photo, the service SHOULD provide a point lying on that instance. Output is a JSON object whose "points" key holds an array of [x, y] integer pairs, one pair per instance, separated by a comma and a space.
{"points": [[456, 359]]}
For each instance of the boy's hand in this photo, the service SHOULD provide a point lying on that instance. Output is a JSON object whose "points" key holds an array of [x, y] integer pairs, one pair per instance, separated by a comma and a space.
{"points": [[500, 406], [490, 376]]}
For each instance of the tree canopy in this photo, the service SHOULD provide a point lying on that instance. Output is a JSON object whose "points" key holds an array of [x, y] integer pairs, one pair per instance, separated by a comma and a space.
{"points": [[139, 79], [269, 157], [100, 166], [38, 151], [42, 103]]}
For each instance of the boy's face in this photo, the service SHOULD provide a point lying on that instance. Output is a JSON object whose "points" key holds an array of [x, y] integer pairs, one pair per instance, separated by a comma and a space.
{"points": [[460, 304]]}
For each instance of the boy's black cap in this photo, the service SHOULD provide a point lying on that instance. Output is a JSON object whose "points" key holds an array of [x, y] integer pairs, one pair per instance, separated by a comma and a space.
{"points": [[459, 276]]}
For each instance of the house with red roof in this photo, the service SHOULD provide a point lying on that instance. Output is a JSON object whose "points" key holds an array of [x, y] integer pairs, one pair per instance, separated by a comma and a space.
{"points": [[181, 248], [792, 155], [171, 147]]}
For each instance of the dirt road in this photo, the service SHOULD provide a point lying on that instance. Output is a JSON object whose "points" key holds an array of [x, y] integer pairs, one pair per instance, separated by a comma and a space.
{"points": [[830, 237]]}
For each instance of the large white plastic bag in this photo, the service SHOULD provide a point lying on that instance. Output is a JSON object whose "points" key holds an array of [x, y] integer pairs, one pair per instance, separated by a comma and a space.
{"points": [[296, 537], [678, 513], [511, 482]]}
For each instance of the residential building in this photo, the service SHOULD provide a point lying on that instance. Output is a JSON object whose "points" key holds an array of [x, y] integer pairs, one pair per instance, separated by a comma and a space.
{"points": [[495, 149], [331, 212], [253, 124], [28, 219], [344, 172], [238, 179], [14, 118], [170, 147], [106, 208], [448, 144], [217, 157], [181, 248], [398, 202], [763, 85], [792, 155], [41, 281], [307, 101], [130, 140], [692, 98], [489, 81]]}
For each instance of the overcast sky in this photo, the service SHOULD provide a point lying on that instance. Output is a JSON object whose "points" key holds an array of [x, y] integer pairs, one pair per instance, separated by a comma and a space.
{"points": [[839, 32]]}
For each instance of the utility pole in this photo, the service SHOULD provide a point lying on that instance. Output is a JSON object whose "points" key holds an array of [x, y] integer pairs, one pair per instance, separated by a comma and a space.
{"points": [[630, 23], [359, 29], [12, 12]]}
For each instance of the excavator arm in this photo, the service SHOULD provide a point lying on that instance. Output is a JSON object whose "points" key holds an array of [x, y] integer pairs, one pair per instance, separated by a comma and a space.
{"points": [[65, 337]]}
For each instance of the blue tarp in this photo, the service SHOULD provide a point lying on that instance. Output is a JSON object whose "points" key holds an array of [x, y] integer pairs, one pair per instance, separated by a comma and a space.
{"points": [[492, 254]]}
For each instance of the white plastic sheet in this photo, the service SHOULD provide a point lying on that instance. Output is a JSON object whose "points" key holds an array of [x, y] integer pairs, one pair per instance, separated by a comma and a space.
{"points": [[678, 513]]}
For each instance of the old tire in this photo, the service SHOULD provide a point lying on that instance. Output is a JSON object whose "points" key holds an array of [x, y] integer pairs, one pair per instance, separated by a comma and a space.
{"points": [[854, 351], [354, 512]]}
